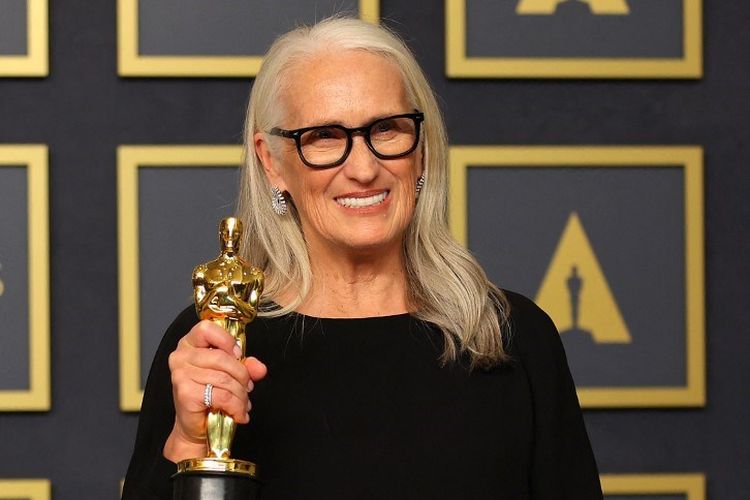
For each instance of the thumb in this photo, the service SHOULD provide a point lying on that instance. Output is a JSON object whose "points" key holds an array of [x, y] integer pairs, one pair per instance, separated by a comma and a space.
{"points": [[255, 368]]}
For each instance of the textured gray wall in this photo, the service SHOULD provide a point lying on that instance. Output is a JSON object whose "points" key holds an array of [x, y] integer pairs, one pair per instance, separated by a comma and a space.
{"points": [[83, 111]]}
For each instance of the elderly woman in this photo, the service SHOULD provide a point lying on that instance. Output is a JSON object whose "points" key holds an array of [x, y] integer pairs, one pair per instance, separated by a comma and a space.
{"points": [[383, 363]]}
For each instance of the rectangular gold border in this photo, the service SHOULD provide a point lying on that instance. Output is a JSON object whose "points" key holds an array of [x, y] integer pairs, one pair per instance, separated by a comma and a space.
{"points": [[689, 158], [28, 489], [459, 65], [129, 159], [131, 63], [37, 397], [692, 485], [36, 61]]}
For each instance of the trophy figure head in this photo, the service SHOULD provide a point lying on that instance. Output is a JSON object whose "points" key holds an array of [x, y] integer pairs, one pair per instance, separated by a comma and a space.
{"points": [[230, 231]]}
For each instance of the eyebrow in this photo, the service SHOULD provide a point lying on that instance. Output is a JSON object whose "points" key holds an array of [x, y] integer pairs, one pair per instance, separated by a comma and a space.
{"points": [[374, 118]]}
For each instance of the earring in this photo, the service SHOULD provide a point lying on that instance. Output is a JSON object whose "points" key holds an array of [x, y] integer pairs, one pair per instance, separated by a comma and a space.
{"points": [[420, 184], [278, 202]]}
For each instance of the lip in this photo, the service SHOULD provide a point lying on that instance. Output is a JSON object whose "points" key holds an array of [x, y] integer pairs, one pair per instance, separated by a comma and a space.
{"points": [[364, 194]]}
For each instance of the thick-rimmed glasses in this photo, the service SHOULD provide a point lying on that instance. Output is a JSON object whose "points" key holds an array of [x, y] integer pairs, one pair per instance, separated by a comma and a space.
{"points": [[327, 146]]}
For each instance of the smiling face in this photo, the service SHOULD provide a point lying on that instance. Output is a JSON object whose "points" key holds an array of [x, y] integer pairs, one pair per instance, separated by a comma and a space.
{"points": [[365, 204]]}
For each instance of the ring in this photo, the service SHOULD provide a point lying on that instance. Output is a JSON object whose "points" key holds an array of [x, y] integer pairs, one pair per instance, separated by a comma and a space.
{"points": [[207, 393]]}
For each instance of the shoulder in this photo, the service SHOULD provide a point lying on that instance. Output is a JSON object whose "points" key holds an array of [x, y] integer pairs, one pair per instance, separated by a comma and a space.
{"points": [[531, 332]]}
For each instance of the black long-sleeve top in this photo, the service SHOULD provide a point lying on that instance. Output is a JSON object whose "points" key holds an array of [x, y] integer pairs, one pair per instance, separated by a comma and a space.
{"points": [[363, 409]]}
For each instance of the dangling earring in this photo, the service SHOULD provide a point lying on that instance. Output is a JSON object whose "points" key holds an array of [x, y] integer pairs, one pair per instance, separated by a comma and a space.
{"points": [[420, 184], [278, 202]]}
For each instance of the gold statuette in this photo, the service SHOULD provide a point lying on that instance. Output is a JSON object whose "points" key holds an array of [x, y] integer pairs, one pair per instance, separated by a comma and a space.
{"points": [[226, 291]]}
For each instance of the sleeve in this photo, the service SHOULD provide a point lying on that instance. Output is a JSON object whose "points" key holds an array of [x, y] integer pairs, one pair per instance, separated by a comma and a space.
{"points": [[149, 473], [563, 465]]}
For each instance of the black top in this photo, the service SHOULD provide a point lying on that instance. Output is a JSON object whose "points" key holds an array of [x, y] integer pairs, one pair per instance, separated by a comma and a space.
{"points": [[361, 408]]}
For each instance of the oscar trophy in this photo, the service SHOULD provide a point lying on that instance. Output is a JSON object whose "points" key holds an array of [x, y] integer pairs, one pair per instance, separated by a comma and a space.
{"points": [[227, 291]]}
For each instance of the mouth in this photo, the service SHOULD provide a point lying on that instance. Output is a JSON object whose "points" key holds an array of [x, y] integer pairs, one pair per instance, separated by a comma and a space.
{"points": [[362, 201]]}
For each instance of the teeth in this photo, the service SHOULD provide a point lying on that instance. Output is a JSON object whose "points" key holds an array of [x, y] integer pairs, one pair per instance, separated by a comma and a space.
{"points": [[362, 202]]}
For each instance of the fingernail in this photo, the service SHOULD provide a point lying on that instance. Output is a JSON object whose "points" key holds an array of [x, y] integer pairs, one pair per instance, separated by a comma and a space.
{"points": [[248, 407], [237, 351], [247, 417]]}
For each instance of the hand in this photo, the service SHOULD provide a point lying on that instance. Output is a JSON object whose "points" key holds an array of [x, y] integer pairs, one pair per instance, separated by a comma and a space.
{"points": [[207, 355]]}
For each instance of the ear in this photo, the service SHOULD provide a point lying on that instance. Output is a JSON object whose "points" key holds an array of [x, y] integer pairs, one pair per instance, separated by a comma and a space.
{"points": [[271, 166]]}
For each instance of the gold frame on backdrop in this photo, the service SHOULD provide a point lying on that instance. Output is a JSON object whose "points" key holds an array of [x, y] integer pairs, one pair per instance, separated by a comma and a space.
{"points": [[34, 158], [690, 159], [459, 65], [692, 485], [131, 63], [27, 489], [36, 60], [129, 160]]}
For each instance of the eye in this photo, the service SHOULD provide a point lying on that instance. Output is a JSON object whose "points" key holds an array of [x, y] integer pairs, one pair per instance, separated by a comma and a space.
{"points": [[384, 126], [322, 135]]}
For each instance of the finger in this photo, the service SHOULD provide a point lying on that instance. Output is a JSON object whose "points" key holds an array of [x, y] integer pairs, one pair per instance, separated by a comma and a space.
{"points": [[227, 402], [209, 334], [220, 361], [255, 368], [220, 380]]}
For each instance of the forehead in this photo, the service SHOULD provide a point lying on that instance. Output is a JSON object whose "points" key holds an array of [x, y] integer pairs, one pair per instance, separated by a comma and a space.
{"points": [[348, 87]]}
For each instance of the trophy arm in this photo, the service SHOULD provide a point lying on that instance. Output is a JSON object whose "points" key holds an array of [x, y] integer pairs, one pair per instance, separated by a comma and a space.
{"points": [[199, 286], [246, 310], [248, 302], [255, 288], [234, 304]]}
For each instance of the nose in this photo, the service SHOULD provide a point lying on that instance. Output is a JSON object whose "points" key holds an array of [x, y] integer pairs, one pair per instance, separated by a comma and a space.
{"points": [[361, 164]]}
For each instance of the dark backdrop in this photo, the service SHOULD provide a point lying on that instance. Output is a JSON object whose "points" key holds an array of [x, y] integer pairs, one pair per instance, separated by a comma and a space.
{"points": [[83, 111]]}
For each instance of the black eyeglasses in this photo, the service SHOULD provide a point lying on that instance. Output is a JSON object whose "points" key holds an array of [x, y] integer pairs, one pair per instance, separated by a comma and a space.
{"points": [[328, 146]]}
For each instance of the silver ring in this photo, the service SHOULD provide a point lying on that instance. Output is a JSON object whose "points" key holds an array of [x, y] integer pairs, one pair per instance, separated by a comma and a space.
{"points": [[207, 394]]}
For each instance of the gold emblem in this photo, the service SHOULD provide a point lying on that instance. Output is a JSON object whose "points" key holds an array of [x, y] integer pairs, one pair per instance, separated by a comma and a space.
{"points": [[575, 292], [549, 7]]}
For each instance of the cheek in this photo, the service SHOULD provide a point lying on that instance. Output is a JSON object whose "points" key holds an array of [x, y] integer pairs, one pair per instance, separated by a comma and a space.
{"points": [[407, 196], [310, 199]]}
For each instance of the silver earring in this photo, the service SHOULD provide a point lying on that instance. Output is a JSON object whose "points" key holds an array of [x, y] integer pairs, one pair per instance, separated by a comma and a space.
{"points": [[278, 202], [420, 183]]}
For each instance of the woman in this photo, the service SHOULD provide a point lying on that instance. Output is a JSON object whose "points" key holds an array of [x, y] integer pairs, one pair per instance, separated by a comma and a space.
{"points": [[383, 363]]}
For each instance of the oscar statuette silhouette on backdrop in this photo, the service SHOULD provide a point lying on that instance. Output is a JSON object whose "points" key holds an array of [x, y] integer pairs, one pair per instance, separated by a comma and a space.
{"points": [[226, 291]]}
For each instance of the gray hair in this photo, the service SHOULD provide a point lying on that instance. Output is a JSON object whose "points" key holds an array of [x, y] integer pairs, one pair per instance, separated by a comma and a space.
{"points": [[445, 283]]}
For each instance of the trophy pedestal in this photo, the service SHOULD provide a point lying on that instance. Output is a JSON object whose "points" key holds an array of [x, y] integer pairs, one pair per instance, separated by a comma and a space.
{"points": [[215, 479]]}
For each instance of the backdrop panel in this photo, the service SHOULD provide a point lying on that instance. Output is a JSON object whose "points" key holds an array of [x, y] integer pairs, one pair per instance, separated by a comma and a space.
{"points": [[171, 199], [218, 38], [24, 279], [574, 38], [23, 38], [608, 241]]}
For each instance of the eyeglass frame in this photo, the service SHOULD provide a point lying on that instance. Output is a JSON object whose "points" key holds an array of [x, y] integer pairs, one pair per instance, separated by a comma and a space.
{"points": [[364, 130]]}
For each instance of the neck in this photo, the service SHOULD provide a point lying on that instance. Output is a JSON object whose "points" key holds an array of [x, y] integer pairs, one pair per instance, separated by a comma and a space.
{"points": [[360, 284]]}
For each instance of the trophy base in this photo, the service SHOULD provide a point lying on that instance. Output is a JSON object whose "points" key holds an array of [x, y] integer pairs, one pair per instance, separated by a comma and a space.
{"points": [[215, 479]]}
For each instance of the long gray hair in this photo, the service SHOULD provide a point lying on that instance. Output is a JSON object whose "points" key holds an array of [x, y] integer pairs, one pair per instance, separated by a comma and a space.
{"points": [[445, 283]]}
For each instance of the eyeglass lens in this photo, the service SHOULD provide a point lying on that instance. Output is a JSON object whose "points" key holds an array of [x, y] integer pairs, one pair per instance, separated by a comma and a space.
{"points": [[388, 137]]}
